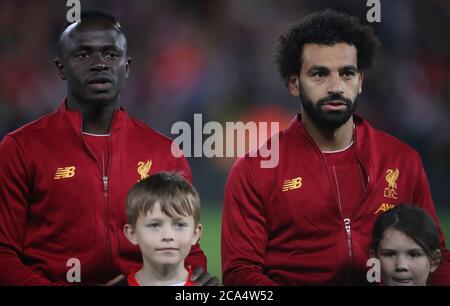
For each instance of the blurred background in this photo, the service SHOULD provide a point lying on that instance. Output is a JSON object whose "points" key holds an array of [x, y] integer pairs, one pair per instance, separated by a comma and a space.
{"points": [[217, 58]]}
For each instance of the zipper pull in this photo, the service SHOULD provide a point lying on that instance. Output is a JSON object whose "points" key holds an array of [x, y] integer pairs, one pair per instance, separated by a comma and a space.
{"points": [[347, 226], [105, 183], [349, 235]]}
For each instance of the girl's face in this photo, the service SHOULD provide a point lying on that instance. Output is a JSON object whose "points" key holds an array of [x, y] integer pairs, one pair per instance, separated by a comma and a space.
{"points": [[403, 261]]}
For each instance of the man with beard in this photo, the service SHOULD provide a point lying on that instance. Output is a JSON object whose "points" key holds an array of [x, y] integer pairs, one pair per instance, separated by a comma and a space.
{"points": [[308, 220], [64, 177]]}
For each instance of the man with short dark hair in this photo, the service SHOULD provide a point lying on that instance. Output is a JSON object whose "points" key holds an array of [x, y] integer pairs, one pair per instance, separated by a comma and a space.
{"points": [[64, 177], [309, 219]]}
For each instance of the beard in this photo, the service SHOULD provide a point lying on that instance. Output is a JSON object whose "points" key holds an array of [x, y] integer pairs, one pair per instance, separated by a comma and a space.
{"points": [[329, 120]]}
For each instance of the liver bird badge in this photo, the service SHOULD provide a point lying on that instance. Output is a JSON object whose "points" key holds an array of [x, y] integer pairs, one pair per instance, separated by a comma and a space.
{"points": [[144, 168], [391, 179]]}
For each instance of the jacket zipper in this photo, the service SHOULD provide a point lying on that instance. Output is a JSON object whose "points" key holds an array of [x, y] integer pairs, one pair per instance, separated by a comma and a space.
{"points": [[346, 221], [105, 182], [105, 178], [105, 198], [347, 225]]}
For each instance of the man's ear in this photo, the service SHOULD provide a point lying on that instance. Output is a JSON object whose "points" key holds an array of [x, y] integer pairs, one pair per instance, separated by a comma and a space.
{"points": [[435, 260], [129, 232], [361, 78], [127, 66], [294, 85], [60, 67], [197, 234]]}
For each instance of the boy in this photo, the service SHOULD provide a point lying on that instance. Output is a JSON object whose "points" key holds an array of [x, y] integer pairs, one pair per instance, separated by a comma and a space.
{"points": [[163, 219]]}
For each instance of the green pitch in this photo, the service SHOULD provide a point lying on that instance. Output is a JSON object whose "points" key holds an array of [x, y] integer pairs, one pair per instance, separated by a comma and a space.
{"points": [[210, 240]]}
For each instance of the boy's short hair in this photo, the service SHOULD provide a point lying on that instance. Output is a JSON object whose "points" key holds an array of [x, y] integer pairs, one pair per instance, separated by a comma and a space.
{"points": [[175, 195]]}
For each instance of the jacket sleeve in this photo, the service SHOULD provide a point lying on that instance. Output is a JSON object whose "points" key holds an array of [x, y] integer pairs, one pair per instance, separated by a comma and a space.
{"points": [[196, 257], [14, 196], [423, 199], [182, 167], [244, 234]]}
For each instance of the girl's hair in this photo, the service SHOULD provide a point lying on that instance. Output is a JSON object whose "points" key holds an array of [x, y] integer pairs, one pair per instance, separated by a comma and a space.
{"points": [[414, 222]]}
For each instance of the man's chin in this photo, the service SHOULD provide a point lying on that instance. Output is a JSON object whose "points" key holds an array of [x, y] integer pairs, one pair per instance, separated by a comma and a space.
{"points": [[101, 98], [329, 117], [333, 121]]}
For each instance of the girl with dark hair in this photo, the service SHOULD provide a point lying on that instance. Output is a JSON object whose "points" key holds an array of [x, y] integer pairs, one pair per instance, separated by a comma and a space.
{"points": [[406, 241]]}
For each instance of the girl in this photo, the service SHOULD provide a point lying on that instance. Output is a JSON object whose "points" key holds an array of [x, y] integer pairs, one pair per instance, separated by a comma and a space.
{"points": [[406, 241]]}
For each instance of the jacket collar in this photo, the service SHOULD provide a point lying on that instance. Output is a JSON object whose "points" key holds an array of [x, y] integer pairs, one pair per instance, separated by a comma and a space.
{"points": [[298, 124], [363, 139], [75, 118]]}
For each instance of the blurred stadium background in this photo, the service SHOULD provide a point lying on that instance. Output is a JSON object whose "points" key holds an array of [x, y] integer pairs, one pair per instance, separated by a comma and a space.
{"points": [[217, 58]]}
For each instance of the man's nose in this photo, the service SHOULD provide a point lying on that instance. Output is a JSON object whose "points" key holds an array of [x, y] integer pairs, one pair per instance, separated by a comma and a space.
{"points": [[335, 85], [99, 63]]}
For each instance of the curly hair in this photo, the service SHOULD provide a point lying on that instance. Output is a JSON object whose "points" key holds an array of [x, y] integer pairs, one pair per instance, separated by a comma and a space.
{"points": [[325, 28]]}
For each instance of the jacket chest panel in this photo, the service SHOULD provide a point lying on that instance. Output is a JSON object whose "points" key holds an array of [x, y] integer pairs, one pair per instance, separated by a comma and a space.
{"points": [[302, 200]]}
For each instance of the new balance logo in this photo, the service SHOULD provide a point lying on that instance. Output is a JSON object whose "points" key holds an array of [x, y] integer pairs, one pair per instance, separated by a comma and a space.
{"points": [[292, 184], [66, 172]]}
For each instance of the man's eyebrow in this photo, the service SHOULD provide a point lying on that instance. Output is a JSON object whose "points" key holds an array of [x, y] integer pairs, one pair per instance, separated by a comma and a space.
{"points": [[323, 68], [348, 67], [82, 47], [102, 47], [318, 68]]}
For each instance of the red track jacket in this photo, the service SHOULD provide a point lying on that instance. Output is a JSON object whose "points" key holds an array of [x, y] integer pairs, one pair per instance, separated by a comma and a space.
{"points": [[56, 204], [283, 225]]}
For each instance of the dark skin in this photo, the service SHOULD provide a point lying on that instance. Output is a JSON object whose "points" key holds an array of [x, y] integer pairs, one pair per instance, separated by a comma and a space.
{"points": [[94, 63]]}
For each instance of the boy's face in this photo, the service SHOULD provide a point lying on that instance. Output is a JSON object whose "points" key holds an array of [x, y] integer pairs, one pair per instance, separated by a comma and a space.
{"points": [[163, 240], [403, 261]]}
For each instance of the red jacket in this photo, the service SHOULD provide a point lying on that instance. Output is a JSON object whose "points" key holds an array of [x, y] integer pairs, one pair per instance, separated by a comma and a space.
{"points": [[55, 203], [298, 236]]}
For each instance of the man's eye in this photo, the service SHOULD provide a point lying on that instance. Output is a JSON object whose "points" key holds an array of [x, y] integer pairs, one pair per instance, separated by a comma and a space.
{"points": [[82, 55], [349, 74], [112, 55], [318, 75], [153, 225]]}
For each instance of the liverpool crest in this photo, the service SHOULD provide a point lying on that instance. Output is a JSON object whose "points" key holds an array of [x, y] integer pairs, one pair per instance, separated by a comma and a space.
{"points": [[391, 178], [144, 168]]}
